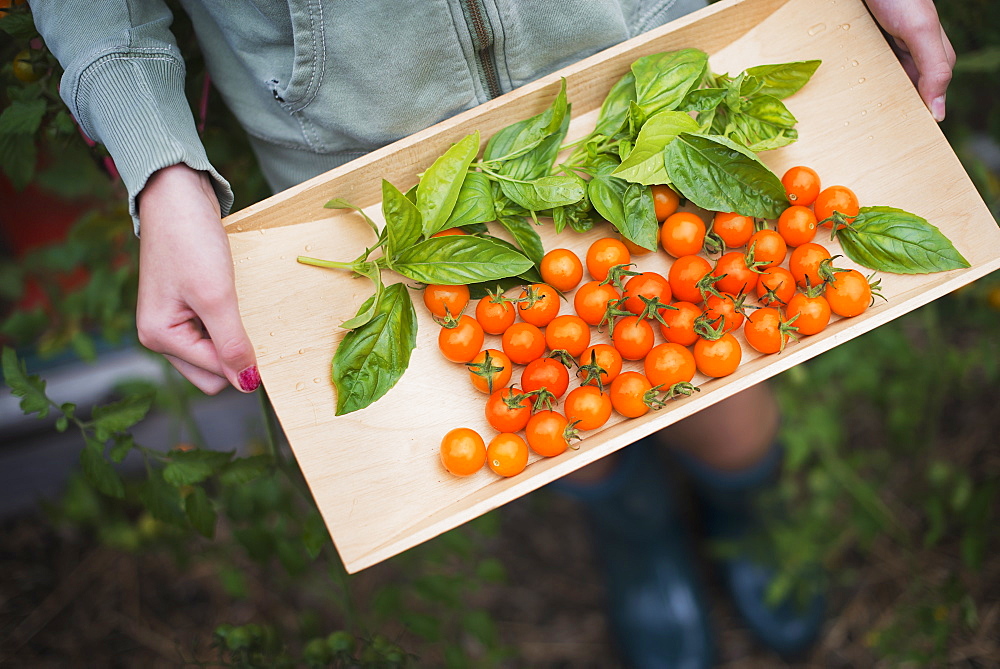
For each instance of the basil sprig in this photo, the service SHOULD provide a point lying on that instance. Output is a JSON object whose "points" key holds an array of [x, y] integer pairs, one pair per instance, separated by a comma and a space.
{"points": [[893, 240]]}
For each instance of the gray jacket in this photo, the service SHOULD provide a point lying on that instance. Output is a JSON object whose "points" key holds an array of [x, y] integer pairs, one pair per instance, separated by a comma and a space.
{"points": [[315, 83]]}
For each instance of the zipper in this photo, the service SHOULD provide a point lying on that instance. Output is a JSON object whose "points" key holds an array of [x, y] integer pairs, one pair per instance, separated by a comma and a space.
{"points": [[482, 44]]}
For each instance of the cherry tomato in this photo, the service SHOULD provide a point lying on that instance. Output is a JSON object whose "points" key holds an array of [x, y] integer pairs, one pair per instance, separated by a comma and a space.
{"points": [[495, 313], [797, 225], [849, 294], [548, 433], [804, 264], [508, 410], [523, 342], [684, 276], [507, 454], [647, 284], [604, 356], [718, 357], [449, 232], [727, 307], [733, 229], [801, 185], [546, 373], [769, 248], [682, 234], [569, 333], [665, 201], [604, 254], [463, 451], [735, 276], [461, 341], [633, 337], [775, 285], [446, 300], [591, 301], [628, 393], [562, 269], [538, 304], [491, 375], [810, 314], [589, 406], [767, 331], [679, 323], [835, 199], [668, 364]]}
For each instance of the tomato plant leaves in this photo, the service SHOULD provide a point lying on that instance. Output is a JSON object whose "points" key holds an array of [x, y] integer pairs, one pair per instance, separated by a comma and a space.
{"points": [[109, 419], [29, 387], [783, 79], [663, 80], [644, 163], [892, 240], [718, 174], [459, 260], [200, 511], [441, 183], [99, 471], [372, 358]]}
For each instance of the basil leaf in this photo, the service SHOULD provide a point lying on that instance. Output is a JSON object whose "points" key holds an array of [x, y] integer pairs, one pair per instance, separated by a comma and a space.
{"points": [[367, 310], [615, 106], [893, 240], [530, 275], [538, 162], [662, 80], [402, 220], [607, 194], [441, 183], [524, 233], [640, 225], [478, 291], [545, 193], [644, 164], [784, 79], [475, 202], [372, 358], [459, 259], [718, 174], [703, 99], [525, 135], [572, 215], [763, 123]]}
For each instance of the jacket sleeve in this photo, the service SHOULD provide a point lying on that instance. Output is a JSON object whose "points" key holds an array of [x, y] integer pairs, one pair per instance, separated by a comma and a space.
{"points": [[124, 83]]}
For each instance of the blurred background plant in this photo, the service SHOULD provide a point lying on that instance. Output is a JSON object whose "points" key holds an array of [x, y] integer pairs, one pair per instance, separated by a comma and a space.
{"points": [[895, 471]]}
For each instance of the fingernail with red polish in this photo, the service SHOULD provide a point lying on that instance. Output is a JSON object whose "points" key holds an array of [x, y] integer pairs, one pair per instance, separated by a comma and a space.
{"points": [[249, 379]]}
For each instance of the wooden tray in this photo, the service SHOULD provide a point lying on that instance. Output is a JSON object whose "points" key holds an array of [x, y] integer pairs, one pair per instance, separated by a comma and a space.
{"points": [[375, 474]]}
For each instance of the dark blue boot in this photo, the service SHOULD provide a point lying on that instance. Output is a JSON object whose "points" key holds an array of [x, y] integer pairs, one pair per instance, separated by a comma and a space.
{"points": [[656, 606], [729, 504]]}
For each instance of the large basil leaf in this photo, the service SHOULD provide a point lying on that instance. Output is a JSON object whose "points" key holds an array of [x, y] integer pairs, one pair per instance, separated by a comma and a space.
{"points": [[893, 240], [640, 217], [459, 259], [372, 358], [545, 193], [538, 162], [663, 80], [615, 106], [525, 135], [718, 174], [703, 99], [784, 79], [526, 236], [763, 123], [441, 183], [644, 164], [475, 202], [607, 194], [402, 220]]}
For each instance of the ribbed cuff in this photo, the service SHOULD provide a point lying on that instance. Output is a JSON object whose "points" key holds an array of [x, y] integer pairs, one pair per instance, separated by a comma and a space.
{"points": [[134, 103]]}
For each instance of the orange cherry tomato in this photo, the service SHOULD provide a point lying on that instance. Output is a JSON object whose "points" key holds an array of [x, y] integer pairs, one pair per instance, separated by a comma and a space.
{"points": [[668, 364], [801, 185], [835, 199], [849, 294], [735, 276], [633, 337], [495, 313], [775, 285], [665, 201], [809, 314], [538, 304], [461, 341], [546, 373], [463, 451], [649, 285], [523, 342], [684, 276], [733, 229], [589, 406], [628, 393], [727, 309], [569, 333], [445, 300], [678, 323], [634, 249], [797, 225], [682, 234], [604, 254], [548, 433], [507, 454], [767, 331], [449, 232], [491, 375], [769, 248], [718, 357], [604, 356], [508, 410], [591, 301], [804, 264], [562, 269]]}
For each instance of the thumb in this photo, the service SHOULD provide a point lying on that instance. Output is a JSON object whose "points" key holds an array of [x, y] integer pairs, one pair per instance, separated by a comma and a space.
{"points": [[221, 319]]}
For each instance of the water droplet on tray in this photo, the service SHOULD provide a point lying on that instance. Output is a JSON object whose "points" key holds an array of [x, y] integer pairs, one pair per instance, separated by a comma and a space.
{"points": [[855, 63], [308, 247], [271, 334], [317, 380], [846, 26], [871, 137], [817, 29], [300, 386], [861, 80], [847, 123], [301, 351], [864, 112]]}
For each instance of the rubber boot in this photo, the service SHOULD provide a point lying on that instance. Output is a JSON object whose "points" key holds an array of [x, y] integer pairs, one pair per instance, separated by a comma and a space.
{"points": [[657, 609], [730, 515]]}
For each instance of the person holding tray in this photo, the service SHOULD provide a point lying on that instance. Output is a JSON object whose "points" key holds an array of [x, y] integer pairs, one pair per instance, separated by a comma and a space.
{"points": [[317, 84]]}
